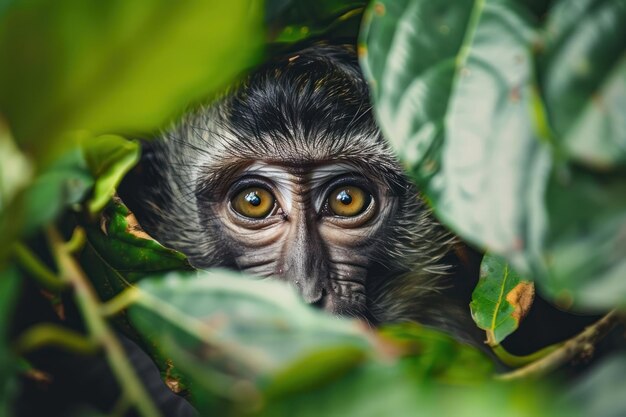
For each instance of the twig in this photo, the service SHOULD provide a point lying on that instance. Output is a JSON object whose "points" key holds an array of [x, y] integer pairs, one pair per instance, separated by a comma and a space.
{"points": [[52, 334], [99, 330], [120, 302], [568, 351], [37, 269]]}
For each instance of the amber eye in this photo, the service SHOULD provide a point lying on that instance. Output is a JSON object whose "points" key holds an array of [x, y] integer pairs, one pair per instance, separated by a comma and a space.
{"points": [[348, 201], [254, 202]]}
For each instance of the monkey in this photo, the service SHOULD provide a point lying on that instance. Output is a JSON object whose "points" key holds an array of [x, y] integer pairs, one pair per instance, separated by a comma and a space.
{"points": [[288, 176]]}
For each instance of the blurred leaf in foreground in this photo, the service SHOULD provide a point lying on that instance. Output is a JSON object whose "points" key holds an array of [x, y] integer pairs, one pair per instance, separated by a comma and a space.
{"points": [[501, 299], [600, 392], [9, 281], [116, 66], [63, 183], [254, 346]]}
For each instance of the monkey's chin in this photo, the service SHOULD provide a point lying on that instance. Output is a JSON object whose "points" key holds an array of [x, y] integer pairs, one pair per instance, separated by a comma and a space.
{"points": [[342, 307]]}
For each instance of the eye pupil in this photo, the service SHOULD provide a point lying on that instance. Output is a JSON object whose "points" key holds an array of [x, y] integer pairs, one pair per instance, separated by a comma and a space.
{"points": [[344, 198], [253, 198]]}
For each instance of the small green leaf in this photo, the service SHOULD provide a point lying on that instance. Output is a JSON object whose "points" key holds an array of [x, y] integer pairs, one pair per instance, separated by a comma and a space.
{"points": [[500, 300], [121, 254], [109, 158]]}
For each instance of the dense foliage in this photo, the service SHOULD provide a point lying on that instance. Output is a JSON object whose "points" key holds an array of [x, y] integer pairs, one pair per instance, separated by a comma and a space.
{"points": [[509, 115]]}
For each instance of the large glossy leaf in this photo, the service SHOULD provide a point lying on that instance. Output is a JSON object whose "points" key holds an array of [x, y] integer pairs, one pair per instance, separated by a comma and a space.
{"points": [[453, 85], [584, 251], [254, 345], [501, 299], [456, 92], [584, 78], [9, 284], [116, 65]]}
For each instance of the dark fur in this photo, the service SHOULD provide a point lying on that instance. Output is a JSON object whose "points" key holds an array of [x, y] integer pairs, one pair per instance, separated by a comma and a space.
{"points": [[308, 107]]}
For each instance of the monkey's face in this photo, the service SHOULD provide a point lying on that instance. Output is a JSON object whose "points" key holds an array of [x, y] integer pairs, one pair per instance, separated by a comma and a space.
{"points": [[317, 226], [288, 176]]}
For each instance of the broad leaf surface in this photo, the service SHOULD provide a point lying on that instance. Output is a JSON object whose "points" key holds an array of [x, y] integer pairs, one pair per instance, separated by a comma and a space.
{"points": [[584, 252], [584, 78], [116, 66], [256, 346], [455, 86], [501, 299]]}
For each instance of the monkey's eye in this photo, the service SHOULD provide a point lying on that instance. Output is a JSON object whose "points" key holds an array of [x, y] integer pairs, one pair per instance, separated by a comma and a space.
{"points": [[348, 201], [254, 202]]}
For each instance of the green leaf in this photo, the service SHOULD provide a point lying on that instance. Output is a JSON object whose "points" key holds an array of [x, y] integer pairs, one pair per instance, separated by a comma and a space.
{"points": [[459, 100], [600, 392], [116, 66], [119, 253], [584, 79], [9, 285], [109, 158], [584, 251], [453, 86], [500, 300], [63, 183], [255, 347], [15, 169]]}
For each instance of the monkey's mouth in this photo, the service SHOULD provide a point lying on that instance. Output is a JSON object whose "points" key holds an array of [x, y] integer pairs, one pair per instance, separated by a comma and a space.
{"points": [[346, 302]]}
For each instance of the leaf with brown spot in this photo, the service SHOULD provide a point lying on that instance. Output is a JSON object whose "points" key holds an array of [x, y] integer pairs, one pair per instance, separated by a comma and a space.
{"points": [[501, 299]]}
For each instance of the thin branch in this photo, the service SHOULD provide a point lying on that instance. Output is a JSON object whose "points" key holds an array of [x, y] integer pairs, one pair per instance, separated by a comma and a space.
{"points": [[89, 305], [37, 269], [571, 349], [51, 334], [120, 302], [77, 241]]}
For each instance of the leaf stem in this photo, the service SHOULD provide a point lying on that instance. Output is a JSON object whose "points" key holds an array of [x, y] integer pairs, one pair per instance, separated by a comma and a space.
{"points": [[120, 302], [89, 305], [77, 241], [52, 334], [572, 348], [37, 269]]}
